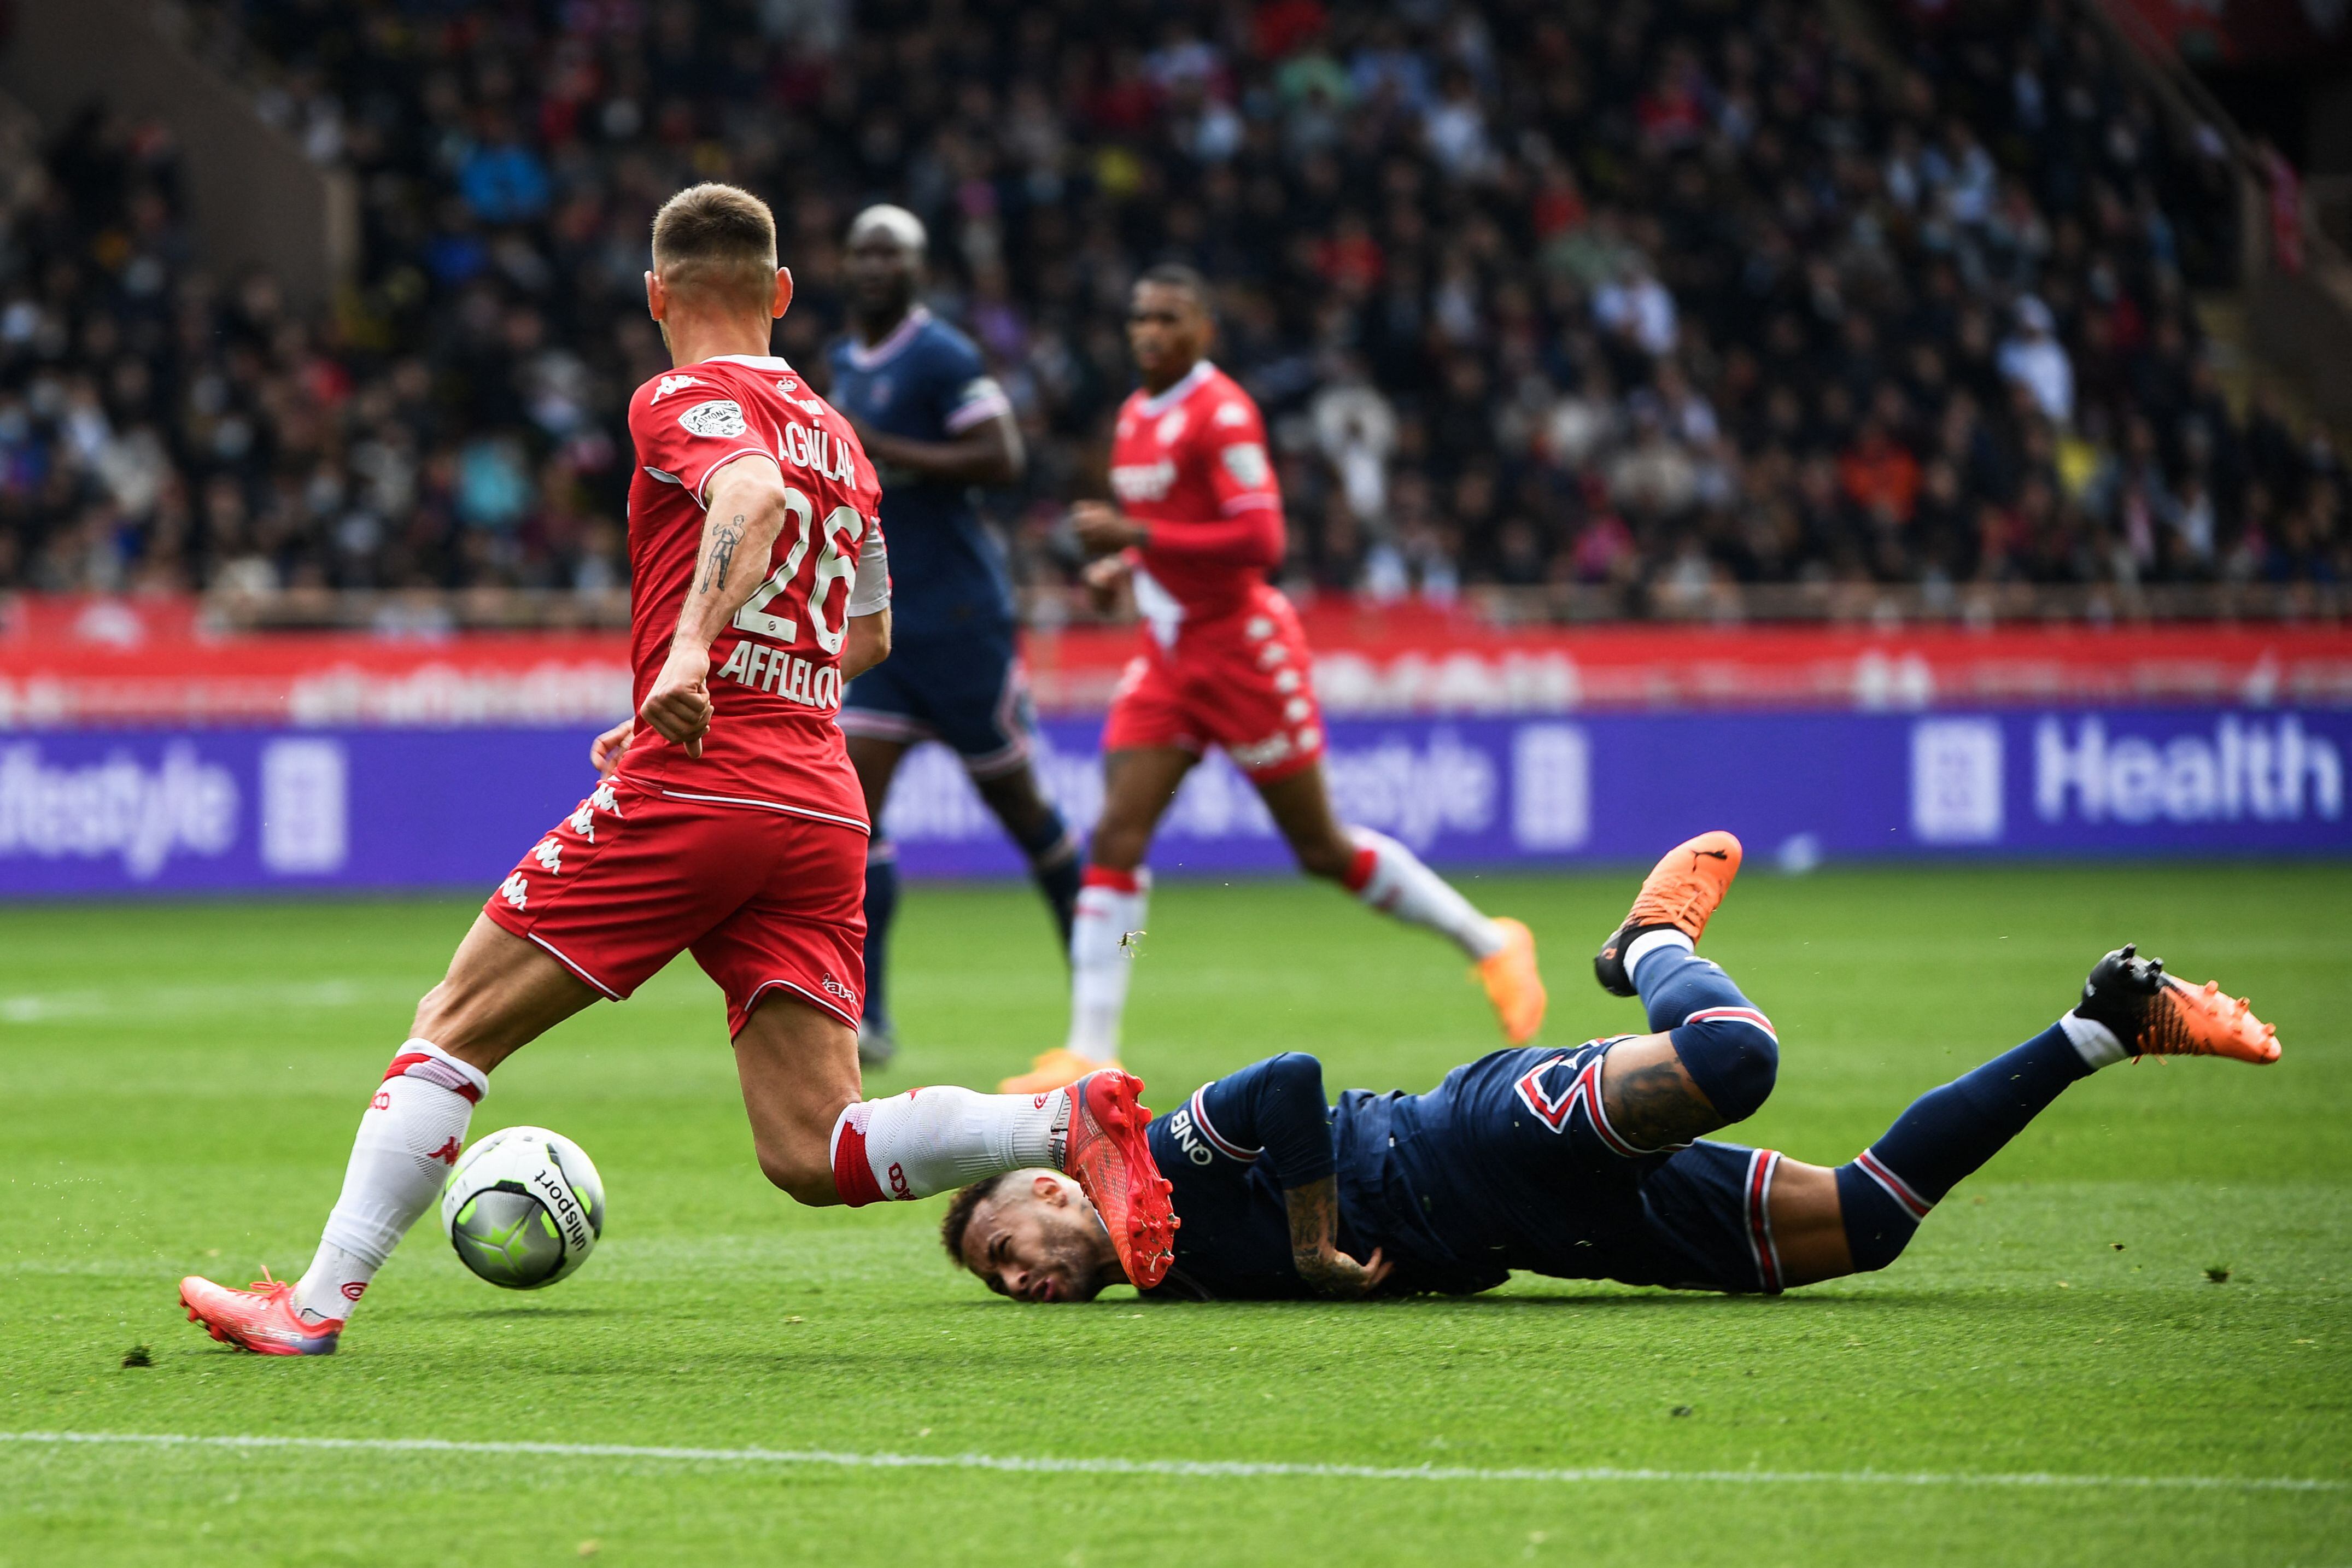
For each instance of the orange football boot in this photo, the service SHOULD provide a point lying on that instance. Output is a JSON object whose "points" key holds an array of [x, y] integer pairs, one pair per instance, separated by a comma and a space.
{"points": [[1107, 1154], [260, 1318], [1050, 1071], [1681, 890], [1513, 983], [2159, 1015]]}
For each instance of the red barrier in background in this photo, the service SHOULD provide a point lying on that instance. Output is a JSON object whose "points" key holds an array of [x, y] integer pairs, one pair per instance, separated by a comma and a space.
{"points": [[81, 661]]}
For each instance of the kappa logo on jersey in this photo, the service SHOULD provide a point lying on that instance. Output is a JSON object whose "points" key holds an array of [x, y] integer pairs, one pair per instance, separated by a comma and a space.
{"points": [[516, 891], [550, 854], [670, 384], [1230, 414], [721, 418], [1245, 460], [603, 798], [583, 821], [1133, 482], [1171, 426]]}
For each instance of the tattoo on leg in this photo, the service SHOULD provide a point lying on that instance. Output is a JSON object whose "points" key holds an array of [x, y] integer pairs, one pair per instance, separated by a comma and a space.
{"points": [[723, 540], [1651, 1099]]}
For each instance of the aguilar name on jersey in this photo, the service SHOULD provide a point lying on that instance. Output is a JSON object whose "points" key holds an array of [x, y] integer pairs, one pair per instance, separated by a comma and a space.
{"points": [[1191, 462], [775, 670], [925, 382]]}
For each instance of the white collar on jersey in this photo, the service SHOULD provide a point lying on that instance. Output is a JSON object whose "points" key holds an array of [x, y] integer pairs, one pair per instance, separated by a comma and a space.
{"points": [[756, 362], [863, 358], [1168, 398]]}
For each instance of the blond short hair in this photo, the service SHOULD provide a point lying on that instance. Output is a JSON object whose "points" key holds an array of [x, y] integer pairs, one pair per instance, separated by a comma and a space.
{"points": [[717, 240]]}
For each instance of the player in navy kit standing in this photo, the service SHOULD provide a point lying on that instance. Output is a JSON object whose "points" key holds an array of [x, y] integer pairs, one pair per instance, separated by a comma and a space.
{"points": [[936, 426]]}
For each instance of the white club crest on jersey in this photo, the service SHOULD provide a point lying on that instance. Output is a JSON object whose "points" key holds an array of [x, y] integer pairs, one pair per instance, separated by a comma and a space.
{"points": [[1133, 482], [720, 419], [1171, 426], [1230, 414], [810, 404], [1245, 460], [670, 384]]}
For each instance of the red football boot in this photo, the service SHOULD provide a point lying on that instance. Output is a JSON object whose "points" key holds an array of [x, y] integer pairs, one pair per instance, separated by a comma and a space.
{"points": [[261, 1319], [1107, 1154]]}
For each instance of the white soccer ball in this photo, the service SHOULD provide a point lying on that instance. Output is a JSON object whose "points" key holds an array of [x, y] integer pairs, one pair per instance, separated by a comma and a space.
{"points": [[523, 1207]]}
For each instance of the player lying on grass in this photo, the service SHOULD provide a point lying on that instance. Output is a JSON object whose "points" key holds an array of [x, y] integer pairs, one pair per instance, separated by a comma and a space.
{"points": [[730, 824], [1584, 1164]]}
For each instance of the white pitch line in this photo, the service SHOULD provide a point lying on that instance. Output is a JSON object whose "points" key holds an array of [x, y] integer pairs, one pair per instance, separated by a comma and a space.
{"points": [[1210, 1469]]}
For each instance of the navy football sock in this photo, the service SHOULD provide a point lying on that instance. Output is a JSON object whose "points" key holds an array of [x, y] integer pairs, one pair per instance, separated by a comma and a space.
{"points": [[881, 905], [1726, 1043], [1053, 851], [1946, 1134]]}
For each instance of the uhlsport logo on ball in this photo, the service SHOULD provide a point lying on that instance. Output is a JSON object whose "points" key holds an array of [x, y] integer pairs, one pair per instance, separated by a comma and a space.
{"points": [[523, 1207]]}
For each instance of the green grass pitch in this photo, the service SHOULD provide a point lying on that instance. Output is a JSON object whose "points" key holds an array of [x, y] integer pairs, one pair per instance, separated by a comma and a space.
{"points": [[178, 1085]]}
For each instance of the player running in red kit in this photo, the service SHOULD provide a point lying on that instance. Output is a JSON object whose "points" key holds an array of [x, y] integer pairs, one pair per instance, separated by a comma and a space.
{"points": [[1224, 663], [730, 824]]}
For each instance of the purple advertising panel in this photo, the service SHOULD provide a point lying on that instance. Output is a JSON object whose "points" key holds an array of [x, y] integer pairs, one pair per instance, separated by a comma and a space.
{"points": [[141, 811]]}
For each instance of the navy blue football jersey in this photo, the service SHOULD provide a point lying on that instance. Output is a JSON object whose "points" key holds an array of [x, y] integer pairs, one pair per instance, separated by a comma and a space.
{"points": [[1504, 1165], [926, 382]]}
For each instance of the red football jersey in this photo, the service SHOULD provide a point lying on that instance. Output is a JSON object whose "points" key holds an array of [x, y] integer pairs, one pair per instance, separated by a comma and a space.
{"points": [[1191, 463], [775, 670]]}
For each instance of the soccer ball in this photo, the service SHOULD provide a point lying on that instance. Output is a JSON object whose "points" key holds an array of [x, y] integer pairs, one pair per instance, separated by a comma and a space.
{"points": [[523, 1207]]}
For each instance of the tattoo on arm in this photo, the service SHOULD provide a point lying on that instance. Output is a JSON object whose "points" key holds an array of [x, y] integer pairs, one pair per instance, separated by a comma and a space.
{"points": [[724, 538], [1313, 1217], [1651, 1099], [1314, 1230]]}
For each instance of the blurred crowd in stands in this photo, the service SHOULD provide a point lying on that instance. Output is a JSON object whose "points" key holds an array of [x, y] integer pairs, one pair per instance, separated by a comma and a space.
{"points": [[1664, 294]]}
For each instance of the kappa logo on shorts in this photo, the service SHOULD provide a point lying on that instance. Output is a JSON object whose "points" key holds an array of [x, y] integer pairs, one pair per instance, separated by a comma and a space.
{"points": [[1261, 754], [516, 891], [550, 854]]}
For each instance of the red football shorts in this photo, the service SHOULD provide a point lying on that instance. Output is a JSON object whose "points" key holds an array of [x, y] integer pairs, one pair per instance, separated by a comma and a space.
{"points": [[1244, 683], [765, 900]]}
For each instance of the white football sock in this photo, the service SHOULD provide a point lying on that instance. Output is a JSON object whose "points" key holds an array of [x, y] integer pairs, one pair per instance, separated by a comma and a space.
{"points": [[410, 1136], [1649, 942], [936, 1139], [1102, 959], [2095, 1040], [1399, 884]]}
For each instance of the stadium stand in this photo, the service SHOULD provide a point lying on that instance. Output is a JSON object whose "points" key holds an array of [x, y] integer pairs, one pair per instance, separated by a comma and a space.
{"points": [[1644, 301]]}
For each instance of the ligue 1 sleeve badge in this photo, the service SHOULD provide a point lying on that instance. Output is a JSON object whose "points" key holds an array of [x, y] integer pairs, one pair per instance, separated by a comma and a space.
{"points": [[720, 419]]}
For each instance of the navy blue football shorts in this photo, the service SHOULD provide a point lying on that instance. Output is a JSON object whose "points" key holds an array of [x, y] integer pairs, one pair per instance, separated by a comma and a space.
{"points": [[1523, 1143], [967, 691]]}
